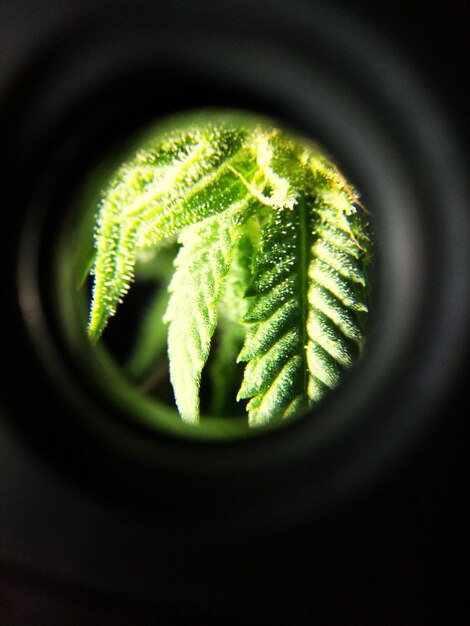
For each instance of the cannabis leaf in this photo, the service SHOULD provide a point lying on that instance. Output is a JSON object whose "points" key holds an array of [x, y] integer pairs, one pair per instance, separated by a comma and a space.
{"points": [[273, 253], [202, 265]]}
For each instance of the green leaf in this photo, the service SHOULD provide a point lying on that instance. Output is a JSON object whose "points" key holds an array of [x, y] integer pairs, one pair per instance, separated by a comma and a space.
{"points": [[274, 258], [196, 289], [182, 179], [307, 291], [275, 376]]}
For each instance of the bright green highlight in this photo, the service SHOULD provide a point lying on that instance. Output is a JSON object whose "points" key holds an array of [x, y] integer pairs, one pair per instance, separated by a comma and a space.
{"points": [[271, 250]]}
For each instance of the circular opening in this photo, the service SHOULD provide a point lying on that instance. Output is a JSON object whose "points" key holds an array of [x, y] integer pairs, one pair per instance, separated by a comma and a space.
{"points": [[363, 108], [214, 275]]}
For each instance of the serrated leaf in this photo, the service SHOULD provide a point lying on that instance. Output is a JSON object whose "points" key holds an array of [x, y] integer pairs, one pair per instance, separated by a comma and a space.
{"points": [[275, 376], [196, 289], [274, 252], [307, 289], [182, 179]]}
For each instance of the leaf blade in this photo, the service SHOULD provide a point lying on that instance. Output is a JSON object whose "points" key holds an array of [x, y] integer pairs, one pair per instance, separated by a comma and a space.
{"points": [[308, 292], [179, 180], [196, 289], [274, 379]]}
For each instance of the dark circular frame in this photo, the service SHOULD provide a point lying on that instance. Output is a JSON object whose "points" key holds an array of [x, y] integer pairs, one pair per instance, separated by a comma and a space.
{"points": [[328, 79]]}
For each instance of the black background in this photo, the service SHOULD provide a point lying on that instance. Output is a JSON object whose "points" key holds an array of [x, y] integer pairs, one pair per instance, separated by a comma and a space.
{"points": [[398, 555]]}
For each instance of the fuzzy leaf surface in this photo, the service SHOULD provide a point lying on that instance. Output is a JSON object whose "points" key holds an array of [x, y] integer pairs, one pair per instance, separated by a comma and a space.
{"points": [[307, 290], [273, 258], [180, 180], [196, 289]]}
